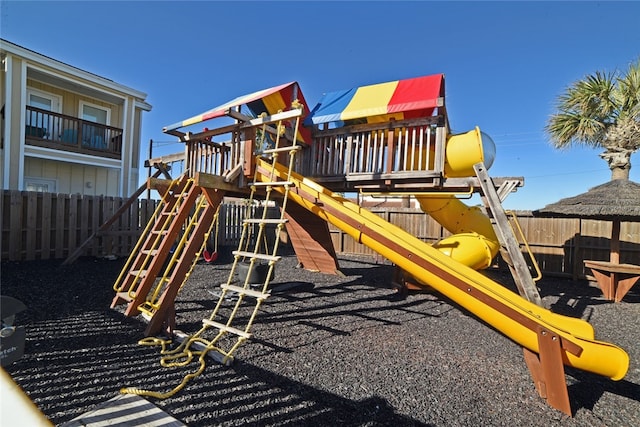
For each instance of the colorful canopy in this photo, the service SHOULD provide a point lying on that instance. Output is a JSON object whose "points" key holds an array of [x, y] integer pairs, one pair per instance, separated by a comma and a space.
{"points": [[400, 99], [270, 101]]}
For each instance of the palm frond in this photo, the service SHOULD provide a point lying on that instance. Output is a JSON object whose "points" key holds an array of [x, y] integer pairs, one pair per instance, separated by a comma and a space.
{"points": [[567, 129], [628, 91], [601, 110]]}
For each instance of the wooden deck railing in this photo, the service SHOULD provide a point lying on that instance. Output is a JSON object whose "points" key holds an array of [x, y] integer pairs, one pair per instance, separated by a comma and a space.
{"points": [[377, 151], [211, 157], [60, 132], [396, 150]]}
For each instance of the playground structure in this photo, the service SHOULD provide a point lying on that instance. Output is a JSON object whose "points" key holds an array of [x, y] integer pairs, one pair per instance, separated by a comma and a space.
{"points": [[389, 139]]}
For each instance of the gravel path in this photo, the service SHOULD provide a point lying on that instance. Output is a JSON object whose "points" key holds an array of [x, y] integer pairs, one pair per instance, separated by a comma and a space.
{"points": [[330, 350]]}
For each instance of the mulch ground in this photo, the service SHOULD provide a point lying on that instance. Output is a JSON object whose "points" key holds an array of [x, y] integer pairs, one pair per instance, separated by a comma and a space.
{"points": [[326, 350]]}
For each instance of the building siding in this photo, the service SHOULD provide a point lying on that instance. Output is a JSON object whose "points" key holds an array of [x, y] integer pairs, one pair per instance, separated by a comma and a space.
{"points": [[73, 178]]}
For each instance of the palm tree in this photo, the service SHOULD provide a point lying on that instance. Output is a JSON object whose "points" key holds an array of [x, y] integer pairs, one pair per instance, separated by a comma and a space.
{"points": [[601, 111]]}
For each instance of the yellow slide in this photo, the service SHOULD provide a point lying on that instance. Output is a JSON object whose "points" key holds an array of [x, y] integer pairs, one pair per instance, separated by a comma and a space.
{"points": [[473, 243], [501, 308]]}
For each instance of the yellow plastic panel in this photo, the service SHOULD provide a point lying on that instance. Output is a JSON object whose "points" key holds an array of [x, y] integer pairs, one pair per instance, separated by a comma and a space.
{"points": [[462, 152]]}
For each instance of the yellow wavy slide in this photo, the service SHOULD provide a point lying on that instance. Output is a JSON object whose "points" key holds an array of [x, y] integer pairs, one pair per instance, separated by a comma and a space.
{"points": [[496, 305]]}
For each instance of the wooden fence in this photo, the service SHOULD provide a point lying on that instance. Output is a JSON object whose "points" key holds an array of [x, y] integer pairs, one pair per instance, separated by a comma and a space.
{"points": [[38, 225], [47, 226], [560, 245]]}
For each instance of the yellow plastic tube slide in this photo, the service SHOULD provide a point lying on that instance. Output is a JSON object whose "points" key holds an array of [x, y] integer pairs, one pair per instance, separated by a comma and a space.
{"points": [[473, 243]]}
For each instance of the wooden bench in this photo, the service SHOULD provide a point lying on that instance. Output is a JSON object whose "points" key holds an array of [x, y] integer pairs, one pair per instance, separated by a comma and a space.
{"points": [[615, 280]]}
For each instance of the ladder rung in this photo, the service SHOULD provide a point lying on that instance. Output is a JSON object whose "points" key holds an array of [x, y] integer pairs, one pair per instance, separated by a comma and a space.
{"points": [[147, 310], [250, 292], [265, 221], [152, 252], [272, 183], [281, 149], [161, 232], [124, 296], [139, 273], [265, 257], [226, 328]]}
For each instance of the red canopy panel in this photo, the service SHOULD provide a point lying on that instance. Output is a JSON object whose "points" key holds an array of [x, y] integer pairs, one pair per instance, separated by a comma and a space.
{"points": [[421, 93]]}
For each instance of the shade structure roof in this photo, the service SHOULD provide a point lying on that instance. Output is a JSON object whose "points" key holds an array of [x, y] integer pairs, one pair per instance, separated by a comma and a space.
{"points": [[400, 99], [269, 101], [618, 199]]}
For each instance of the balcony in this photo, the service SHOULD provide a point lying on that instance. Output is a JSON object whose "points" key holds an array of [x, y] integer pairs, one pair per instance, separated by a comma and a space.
{"points": [[60, 132]]}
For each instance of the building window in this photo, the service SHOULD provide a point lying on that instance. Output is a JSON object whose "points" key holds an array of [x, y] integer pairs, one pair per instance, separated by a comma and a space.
{"points": [[42, 185], [41, 124], [95, 113], [44, 100], [94, 136]]}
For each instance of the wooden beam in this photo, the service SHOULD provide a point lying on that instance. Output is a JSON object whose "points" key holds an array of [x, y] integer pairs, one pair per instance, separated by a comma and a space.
{"points": [[250, 123], [71, 258], [160, 185], [233, 173], [169, 158], [218, 182]]}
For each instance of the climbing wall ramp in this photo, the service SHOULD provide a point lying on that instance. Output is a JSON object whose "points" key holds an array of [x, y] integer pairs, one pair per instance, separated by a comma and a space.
{"points": [[311, 240]]}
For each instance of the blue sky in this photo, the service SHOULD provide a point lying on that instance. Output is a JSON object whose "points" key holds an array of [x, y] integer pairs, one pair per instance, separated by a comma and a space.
{"points": [[505, 63]]}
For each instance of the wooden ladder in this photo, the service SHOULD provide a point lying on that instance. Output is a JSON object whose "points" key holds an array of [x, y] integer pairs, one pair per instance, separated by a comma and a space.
{"points": [[509, 246], [167, 249], [158, 307]]}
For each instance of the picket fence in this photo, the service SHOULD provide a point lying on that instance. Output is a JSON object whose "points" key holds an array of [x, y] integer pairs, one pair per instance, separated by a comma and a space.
{"points": [[37, 225]]}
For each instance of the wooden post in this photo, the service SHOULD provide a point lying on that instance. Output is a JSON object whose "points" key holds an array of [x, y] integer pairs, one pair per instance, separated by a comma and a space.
{"points": [[249, 161], [576, 259], [547, 370], [149, 169], [615, 242], [391, 142]]}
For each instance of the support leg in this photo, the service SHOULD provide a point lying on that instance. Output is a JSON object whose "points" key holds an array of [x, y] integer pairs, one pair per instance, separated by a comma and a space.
{"points": [[606, 283], [162, 322], [624, 285], [547, 371]]}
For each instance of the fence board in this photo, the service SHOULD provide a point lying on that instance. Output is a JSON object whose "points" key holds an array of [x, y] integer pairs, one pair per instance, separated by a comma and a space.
{"points": [[15, 226], [84, 220], [30, 225], [45, 227], [72, 243], [95, 222], [109, 210]]}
